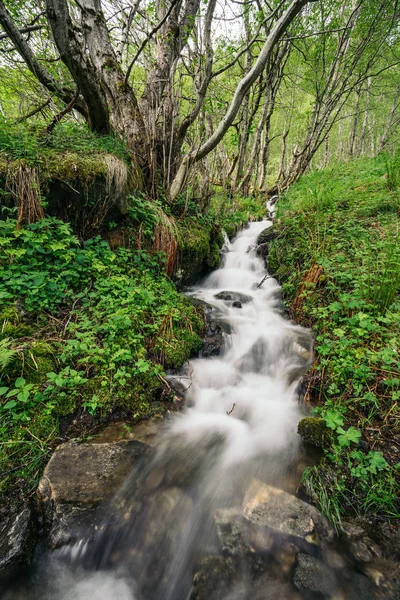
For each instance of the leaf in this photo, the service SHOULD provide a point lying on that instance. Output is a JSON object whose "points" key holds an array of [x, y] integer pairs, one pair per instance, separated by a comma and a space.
{"points": [[345, 438], [333, 419], [10, 404], [19, 382], [3, 390], [377, 462]]}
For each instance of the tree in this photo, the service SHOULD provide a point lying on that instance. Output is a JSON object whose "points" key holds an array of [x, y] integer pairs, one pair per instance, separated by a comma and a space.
{"points": [[124, 78]]}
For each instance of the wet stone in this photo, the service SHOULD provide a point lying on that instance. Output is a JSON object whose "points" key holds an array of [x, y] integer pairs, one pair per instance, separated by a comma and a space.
{"points": [[311, 575], [287, 514], [77, 480], [16, 538], [228, 296]]}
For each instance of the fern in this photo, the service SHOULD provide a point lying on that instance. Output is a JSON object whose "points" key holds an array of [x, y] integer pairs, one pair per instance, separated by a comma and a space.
{"points": [[6, 354]]}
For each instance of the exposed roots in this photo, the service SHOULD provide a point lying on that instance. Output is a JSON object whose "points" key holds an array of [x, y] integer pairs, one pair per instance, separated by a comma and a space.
{"points": [[166, 239], [24, 185], [116, 177]]}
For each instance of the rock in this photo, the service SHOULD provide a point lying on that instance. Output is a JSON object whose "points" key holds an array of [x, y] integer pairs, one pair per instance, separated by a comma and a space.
{"points": [[314, 431], [237, 304], [286, 514], [262, 250], [213, 341], [16, 539], [388, 538], [213, 578], [228, 296], [77, 479], [311, 575], [362, 548], [360, 588], [267, 235]]}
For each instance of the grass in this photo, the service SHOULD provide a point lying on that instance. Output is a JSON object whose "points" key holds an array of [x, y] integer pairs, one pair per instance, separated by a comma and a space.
{"points": [[343, 224]]}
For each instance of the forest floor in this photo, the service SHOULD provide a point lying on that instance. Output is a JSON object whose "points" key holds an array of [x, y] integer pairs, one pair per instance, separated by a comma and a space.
{"points": [[337, 255]]}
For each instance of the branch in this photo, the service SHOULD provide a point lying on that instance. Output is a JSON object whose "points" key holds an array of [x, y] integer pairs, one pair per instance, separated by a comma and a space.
{"points": [[22, 46], [34, 111], [61, 114], [244, 85], [148, 38], [28, 29]]}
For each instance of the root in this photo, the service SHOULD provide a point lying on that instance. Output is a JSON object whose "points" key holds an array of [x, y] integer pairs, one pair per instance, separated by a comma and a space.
{"points": [[166, 239], [24, 185]]}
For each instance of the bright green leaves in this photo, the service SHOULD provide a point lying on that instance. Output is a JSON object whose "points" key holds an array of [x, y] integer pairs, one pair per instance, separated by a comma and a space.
{"points": [[333, 419], [348, 437]]}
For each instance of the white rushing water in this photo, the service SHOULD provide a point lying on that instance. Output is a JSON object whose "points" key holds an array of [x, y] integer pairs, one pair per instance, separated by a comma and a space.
{"points": [[239, 423], [249, 393]]}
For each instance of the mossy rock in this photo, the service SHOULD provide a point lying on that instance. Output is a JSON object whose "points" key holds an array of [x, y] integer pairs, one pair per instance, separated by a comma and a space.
{"points": [[198, 250], [313, 430], [267, 235]]}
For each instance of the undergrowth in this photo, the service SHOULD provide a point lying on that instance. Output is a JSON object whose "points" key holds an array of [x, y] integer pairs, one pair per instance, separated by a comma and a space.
{"points": [[342, 225], [83, 330]]}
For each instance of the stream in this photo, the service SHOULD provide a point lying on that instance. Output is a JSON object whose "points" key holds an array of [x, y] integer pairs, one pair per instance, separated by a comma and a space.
{"points": [[236, 434]]}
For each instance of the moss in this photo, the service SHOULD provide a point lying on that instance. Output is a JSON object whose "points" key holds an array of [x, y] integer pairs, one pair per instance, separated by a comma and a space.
{"points": [[198, 249], [213, 258], [39, 360], [67, 403], [43, 425], [74, 167], [314, 431], [183, 345]]}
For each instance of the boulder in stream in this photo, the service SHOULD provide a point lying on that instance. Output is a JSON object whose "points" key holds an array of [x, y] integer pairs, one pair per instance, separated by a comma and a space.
{"points": [[77, 480], [229, 296]]}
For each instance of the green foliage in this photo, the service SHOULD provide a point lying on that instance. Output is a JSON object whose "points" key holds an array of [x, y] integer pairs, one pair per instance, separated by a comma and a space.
{"points": [[84, 329], [18, 141], [348, 228], [392, 163]]}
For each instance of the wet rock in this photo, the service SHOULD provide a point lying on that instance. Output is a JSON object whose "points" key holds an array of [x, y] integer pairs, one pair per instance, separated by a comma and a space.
{"points": [[213, 341], [237, 304], [267, 235], [287, 514], [360, 588], [16, 539], [228, 296], [262, 250], [314, 431], [362, 548], [312, 575], [213, 578], [77, 479], [388, 538]]}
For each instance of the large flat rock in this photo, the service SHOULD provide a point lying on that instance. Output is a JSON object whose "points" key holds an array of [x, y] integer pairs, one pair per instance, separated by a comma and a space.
{"points": [[78, 479]]}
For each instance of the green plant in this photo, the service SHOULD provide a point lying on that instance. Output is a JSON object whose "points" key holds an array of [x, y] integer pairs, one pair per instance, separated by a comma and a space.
{"points": [[354, 311]]}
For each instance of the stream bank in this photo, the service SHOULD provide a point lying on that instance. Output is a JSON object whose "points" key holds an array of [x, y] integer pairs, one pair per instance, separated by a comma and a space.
{"points": [[206, 503]]}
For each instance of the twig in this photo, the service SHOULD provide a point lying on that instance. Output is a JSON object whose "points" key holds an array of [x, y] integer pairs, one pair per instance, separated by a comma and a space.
{"points": [[262, 281], [229, 412], [65, 111]]}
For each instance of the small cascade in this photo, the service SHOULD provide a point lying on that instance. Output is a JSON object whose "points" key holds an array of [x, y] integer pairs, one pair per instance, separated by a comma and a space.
{"points": [[239, 424]]}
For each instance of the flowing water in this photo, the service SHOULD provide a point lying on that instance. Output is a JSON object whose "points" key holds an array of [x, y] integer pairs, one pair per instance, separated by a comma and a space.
{"points": [[239, 424]]}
